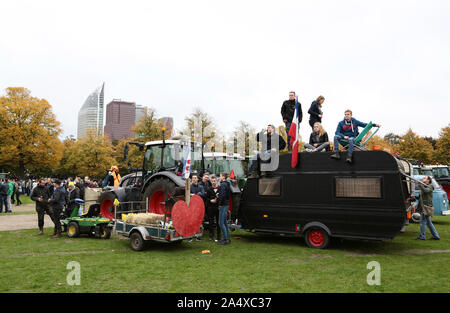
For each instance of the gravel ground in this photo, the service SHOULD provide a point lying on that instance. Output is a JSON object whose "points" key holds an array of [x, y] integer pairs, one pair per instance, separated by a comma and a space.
{"points": [[23, 221]]}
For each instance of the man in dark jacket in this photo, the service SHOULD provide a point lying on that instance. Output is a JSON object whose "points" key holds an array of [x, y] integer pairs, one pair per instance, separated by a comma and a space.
{"points": [[224, 204], [212, 207], [267, 138], [347, 129], [196, 188], [3, 196], [41, 195], [287, 113], [57, 202]]}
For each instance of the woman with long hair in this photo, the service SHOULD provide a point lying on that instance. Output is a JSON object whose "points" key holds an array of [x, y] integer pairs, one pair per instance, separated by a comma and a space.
{"points": [[318, 141], [315, 111], [425, 208]]}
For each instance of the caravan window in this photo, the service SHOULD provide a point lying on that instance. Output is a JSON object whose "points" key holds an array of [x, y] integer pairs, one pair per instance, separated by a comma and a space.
{"points": [[269, 186], [358, 187]]}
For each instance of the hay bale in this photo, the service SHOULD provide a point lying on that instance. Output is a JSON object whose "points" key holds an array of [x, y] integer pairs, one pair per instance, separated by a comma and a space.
{"points": [[130, 218], [145, 218]]}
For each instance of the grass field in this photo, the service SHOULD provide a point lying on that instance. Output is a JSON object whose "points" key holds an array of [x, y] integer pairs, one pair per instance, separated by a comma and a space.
{"points": [[252, 263]]}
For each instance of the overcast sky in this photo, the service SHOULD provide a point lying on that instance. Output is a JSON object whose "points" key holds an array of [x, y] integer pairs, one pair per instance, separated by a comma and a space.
{"points": [[388, 61]]}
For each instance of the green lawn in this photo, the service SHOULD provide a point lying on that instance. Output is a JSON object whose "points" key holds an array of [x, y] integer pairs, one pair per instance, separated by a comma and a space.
{"points": [[25, 199], [252, 263]]}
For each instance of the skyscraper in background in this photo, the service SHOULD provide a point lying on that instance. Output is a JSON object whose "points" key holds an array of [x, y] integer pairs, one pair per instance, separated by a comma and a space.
{"points": [[90, 115], [120, 118]]}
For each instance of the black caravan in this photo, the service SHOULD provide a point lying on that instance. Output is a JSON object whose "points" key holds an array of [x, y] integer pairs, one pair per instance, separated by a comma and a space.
{"points": [[323, 198]]}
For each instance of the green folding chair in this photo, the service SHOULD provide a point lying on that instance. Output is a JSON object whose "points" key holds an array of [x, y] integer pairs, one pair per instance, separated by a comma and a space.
{"points": [[358, 143]]}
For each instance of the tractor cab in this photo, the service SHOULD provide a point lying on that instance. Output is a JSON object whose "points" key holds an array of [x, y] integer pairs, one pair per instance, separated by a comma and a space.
{"points": [[169, 155], [232, 163]]}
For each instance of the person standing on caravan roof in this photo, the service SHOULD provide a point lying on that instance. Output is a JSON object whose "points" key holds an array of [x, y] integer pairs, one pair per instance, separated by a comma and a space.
{"points": [[347, 129], [287, 113], [315, 111]]}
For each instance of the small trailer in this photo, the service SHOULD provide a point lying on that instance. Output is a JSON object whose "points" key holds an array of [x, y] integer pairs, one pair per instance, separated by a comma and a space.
{"points": [[179, 222]]}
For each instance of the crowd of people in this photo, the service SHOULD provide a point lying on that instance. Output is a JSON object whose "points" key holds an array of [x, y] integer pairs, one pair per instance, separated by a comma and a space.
{"points": [[56, 198], [347, 129], [10, 192], [215, 192]]}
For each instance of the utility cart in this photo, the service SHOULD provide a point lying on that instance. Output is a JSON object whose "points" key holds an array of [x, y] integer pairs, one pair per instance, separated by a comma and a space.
{"points": [[178, 222], [88, 222]]}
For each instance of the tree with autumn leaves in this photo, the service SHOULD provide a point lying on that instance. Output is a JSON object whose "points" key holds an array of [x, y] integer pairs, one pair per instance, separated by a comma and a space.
{"points": [[29, 133]]}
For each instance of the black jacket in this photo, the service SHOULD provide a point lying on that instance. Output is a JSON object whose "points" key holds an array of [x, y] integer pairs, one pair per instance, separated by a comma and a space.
{"points": [[263, 135], [71, 196], [50, 188], [4, 189], [198, 190], [211, 194], [58, 199], [40, 192], [315, 138], [288, 110], [314, 112], [224, 193], [81, 189]]}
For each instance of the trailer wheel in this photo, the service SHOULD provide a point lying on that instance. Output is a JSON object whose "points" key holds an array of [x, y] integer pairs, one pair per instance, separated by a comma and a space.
{"points": [[136, 241], [317, 238], [156, 192], [73, 230]]}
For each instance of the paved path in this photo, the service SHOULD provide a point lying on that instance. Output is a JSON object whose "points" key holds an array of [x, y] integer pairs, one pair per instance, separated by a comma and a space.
{"points": [[23, 221]]}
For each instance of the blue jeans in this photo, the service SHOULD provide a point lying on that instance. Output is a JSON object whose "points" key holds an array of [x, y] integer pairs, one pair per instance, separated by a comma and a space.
{"points": [[426, 221], [288, 127], [350, 143], [223, 220]]}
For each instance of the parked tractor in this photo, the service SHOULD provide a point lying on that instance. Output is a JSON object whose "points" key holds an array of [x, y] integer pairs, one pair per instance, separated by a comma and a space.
{"points": [[160, 180]]}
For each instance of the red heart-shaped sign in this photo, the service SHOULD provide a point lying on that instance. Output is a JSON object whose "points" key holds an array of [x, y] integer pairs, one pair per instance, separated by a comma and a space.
{"points": [[188, 219]]}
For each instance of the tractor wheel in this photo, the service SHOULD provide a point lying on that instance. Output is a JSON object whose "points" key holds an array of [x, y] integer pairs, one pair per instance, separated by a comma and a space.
{"points": [[105, 232], [136, 241], [73, 230], [156, 194], [106, 201], [317, 238]]}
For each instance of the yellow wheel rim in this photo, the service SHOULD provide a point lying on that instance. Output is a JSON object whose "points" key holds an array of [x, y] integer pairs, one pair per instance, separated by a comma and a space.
{"points": [[71, 230]]}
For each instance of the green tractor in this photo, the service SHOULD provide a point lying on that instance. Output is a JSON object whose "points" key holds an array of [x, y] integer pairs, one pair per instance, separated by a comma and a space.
{"points": [[87, 223]]}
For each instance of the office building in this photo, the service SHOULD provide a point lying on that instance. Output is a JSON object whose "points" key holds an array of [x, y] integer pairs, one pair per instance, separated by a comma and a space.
{"points": [[90, 115]]}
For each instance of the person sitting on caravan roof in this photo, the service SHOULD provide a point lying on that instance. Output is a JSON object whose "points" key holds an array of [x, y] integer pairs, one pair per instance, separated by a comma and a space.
{"points": [[318, 141], [347, 129], [267, 138]]}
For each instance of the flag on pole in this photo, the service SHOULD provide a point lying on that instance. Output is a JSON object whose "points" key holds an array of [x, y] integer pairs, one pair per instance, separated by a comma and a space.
{"points": [[293, 133], [187, 162]]}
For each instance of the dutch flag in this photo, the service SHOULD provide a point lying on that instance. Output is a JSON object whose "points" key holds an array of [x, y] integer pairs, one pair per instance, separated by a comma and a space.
{"points": [[293, 132]]}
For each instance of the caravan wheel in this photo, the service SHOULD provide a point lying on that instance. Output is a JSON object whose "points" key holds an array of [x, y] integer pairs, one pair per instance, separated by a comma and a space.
{"points": [[317, 238]]}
